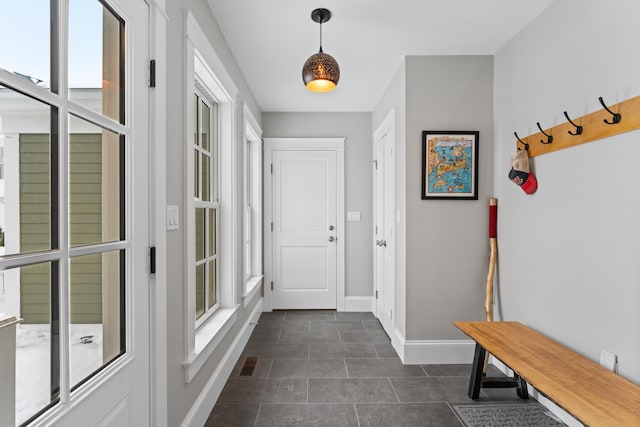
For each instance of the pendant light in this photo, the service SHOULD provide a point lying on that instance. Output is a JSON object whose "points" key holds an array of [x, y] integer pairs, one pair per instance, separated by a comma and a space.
{"points": [[321, 71]]}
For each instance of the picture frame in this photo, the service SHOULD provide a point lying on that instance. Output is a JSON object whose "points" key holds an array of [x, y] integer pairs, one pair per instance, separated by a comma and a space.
{"points": [[450, 165]]}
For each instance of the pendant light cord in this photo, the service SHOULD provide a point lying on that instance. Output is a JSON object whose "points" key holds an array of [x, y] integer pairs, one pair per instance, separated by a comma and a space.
{"points": [[321, 35]]}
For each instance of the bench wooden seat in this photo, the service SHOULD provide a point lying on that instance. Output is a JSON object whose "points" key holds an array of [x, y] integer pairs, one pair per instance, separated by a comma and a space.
{"points": [[592, 394]]}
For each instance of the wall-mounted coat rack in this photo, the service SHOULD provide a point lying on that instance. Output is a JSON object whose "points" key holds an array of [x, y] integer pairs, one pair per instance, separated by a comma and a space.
{"points": [[610, 121]]}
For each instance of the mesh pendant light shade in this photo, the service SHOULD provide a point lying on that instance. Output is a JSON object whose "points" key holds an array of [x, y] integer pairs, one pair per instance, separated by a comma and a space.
{"points": [[321, 72]]}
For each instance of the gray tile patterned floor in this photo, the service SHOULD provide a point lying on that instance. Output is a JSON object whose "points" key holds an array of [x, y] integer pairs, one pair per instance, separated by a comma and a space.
{"points": [[325, 368]]}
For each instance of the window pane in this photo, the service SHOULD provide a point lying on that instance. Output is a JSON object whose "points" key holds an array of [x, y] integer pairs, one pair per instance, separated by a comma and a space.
{"points": [[196, 130], [95, 71], [212, 232], [96, 308], [196, 174], [247, 245], [200, 290], [206, 127], [213, 299], [206, 178], [25, 190], [2, 158], [27, 295], [248, 173], [247, 261], [200, 236], [95, 172], [25, 39]]}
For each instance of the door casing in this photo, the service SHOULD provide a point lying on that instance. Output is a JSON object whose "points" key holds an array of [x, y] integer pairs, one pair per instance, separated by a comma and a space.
{"points": [[304, 144], [384, 223]]}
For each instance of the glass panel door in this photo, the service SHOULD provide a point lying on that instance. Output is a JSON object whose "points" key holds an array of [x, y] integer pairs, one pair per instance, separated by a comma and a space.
{"points": [[68, 207]]}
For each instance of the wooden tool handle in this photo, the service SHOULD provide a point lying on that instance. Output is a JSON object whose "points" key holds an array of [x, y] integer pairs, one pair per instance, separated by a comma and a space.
{"points": [[488, 302], [493, 244]]}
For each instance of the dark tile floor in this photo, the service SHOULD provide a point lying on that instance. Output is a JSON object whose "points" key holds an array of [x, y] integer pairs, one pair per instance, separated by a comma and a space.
{"points": [[327, 368]]}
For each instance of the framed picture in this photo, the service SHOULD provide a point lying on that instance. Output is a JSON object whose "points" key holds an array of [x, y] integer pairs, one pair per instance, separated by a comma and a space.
{"points": [[450, 165]]}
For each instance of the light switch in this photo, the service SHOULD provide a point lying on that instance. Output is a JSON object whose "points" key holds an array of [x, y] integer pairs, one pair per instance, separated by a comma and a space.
{"points": [[353, 216], [173, 218]]}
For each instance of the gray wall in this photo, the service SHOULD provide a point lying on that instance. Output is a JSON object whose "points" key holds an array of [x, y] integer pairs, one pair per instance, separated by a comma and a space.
{"points": [[182, 396], [447, 240], [356, 128], [441, 245], [569, 253]]}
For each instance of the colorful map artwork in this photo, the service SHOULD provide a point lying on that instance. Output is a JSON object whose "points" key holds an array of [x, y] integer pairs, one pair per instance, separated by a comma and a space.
{"points": [[450, 159]]}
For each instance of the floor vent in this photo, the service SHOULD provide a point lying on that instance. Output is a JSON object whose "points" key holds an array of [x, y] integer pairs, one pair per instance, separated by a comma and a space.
{"points": [[249, 366]]}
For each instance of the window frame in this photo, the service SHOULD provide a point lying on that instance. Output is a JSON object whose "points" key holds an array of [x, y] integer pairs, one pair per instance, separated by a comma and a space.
{"points": [[203, 65], [252, 269], [208, 205]]}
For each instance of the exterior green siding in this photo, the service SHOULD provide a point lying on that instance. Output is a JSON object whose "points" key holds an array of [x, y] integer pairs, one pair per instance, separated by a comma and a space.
{"points": [[85, 209], [35, 226]]}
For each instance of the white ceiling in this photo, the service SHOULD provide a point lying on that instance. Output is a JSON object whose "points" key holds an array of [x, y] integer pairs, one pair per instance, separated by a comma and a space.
{"points": [[271, 39]]}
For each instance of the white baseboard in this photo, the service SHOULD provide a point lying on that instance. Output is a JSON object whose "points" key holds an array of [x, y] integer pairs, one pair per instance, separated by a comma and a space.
{"points": [[205, 402], [438, 352], [533, 393], [435, 352], [359, 304], [397, 342]]}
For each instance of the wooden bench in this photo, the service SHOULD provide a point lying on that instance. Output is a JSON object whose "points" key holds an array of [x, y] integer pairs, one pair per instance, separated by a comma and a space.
{"points": [[592, 394]]}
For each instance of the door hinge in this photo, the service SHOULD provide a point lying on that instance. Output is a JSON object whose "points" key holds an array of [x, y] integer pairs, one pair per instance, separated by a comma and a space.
{"points": [[152, 73], [271, 168], [152, 260], [391, 314], [376, 229], [272, 285], [376, 294], [272, 226]]}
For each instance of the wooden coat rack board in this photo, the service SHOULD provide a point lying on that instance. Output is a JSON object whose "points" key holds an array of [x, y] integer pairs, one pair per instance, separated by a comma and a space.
{"points": [[597, 125]]}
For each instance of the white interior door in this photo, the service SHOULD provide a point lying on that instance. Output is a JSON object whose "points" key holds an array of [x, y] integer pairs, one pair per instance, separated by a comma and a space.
{"points": [[384, 230], [304, 219], [304, 229]]}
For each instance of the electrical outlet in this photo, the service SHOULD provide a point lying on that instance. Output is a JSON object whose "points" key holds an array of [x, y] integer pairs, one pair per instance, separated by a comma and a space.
{"points": [[609, 360]]}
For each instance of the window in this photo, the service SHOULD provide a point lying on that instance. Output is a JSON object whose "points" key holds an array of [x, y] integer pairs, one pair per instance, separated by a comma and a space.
{"points": [[205, 193], [1, 161], [248, 210], [252, 202], [212, 201], [63, 183]]}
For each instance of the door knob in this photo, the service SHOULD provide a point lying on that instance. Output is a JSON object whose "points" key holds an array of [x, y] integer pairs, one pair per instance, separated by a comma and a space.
{"points": [[377, 242], [331, 227], [383, 243], [331, 238]]}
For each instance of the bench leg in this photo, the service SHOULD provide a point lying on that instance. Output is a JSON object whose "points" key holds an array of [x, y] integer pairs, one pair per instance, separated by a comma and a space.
{"points": [[475, 383], [522, 391]]}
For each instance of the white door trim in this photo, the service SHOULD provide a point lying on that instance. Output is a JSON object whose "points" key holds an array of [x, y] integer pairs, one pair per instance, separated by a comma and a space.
{"points": [[387, 127], [329, 144], [157, 222]]}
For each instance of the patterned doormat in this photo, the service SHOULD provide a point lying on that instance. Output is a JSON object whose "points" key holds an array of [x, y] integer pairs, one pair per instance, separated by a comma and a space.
{"points": [[508, 415]]}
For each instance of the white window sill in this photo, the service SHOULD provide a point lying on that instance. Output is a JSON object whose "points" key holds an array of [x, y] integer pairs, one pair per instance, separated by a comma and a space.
{"points": [[251, 286], [207, 338]]}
